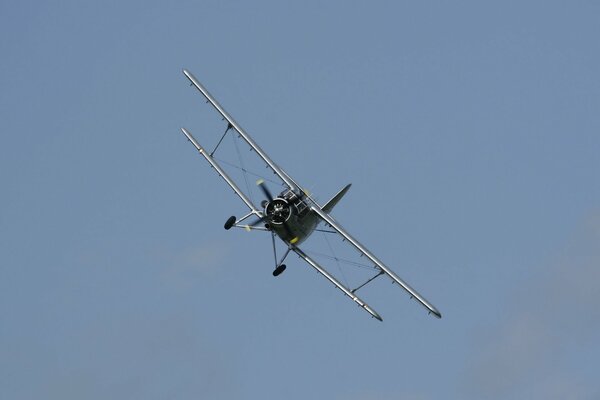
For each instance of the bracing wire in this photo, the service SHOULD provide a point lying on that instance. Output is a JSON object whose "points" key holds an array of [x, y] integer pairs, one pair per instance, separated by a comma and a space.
{"points": [[337, 260], [342, 260], [237, 149], [246, 171]]}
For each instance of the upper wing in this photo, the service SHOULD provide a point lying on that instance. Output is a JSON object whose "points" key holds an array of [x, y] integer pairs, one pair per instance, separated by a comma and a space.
{"points": [[338, 228], [270, 163]]}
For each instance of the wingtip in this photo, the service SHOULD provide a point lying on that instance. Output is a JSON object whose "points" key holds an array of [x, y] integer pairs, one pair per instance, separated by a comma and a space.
{"points": [[373, 313]]}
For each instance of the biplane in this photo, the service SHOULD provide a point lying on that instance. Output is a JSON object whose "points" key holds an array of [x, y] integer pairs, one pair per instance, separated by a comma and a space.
{"points": [[293, 215]]}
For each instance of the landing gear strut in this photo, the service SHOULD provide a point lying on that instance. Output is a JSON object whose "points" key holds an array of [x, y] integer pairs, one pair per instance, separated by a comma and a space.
{"points": [[279, 267]]}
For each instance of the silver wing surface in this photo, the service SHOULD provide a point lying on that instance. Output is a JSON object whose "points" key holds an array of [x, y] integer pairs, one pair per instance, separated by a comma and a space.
{"points": [[363, 250], [335, 282], [316, 210], [233, 124], [222, 174]]}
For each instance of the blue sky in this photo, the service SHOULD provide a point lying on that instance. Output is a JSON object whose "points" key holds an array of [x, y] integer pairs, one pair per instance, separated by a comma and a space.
{"points": [[470, 132]]}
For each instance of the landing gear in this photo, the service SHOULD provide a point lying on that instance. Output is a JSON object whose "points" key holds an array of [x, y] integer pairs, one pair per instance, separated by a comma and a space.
{"points": [[279, 266], [279, 270], [229, 223]]}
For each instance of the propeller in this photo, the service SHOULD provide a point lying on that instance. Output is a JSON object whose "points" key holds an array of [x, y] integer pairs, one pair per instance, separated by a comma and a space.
{"points": [[265, 190], [277, 210]]}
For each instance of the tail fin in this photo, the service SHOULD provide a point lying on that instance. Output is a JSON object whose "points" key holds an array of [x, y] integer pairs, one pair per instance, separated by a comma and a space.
{"points": [[335, 199]]}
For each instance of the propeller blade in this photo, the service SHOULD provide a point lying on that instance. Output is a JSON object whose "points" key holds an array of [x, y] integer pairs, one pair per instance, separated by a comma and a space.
{"points": [[269, 196], [265, 190], [258, 221]]}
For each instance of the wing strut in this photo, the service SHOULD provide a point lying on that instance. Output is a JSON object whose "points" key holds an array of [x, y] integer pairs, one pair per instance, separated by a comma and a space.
{"points": [[368, 281], [220, 140], [270, 163], [343, 288], [363, 250], [222, 174]]}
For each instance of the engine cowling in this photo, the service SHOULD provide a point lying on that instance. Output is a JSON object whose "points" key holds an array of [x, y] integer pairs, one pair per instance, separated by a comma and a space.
{"points": [[278, 211]]}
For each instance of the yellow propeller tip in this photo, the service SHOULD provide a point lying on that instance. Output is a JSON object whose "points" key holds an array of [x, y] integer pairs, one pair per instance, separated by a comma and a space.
{"points": [[247, 227], [260, 181], [294, 240]]}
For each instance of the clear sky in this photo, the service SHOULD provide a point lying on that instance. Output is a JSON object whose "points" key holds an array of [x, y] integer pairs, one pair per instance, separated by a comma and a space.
{"points": [[471, 134]]}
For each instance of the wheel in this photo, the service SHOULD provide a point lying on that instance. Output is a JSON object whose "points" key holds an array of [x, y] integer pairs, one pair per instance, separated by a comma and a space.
{"points": [[279, 270], [229, 223]]}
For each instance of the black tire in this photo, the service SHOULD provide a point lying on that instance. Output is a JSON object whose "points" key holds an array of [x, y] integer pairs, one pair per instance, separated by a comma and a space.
{"points": [[279, 270], [229, 223]]}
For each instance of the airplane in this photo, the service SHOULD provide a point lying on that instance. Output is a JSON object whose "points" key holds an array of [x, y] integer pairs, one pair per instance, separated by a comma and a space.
{"points": [[293, 215]]}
